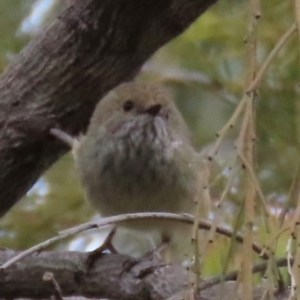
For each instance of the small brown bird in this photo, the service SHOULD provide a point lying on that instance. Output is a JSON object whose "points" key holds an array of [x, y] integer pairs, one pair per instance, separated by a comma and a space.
{"points": [[137, 157]]}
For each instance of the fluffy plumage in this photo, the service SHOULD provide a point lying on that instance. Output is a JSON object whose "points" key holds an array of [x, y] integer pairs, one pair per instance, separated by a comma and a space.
{"points": [[137, 157]]}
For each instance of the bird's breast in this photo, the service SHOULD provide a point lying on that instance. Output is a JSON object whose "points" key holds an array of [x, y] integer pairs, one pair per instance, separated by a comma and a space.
{"points": [[140, 168]]}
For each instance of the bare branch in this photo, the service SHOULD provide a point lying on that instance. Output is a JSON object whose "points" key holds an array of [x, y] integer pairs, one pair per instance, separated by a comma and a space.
{"points": [[184, 218]]}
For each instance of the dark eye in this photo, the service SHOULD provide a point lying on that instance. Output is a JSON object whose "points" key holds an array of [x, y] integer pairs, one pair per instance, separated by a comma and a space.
{"points": [[128, 105]]}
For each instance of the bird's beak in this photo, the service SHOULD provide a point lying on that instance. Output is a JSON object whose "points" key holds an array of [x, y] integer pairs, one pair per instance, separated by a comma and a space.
{"points": [[153, 110]]}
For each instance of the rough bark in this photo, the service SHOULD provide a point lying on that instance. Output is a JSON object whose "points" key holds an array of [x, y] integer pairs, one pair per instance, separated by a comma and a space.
{"points": [[111, 276], [59, 77]]}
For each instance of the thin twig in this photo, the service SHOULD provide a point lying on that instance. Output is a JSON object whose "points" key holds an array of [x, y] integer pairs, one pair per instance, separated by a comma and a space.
{"points": [[218, 214], [270, 58], [230, 123], [252, 86], [260, 267], [247, 149], [63, 137], [57, 290], [255, 182], [184, 218]]}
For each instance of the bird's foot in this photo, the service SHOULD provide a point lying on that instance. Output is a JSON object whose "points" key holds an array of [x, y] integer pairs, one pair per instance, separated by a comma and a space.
{"points": [[106, 245]]}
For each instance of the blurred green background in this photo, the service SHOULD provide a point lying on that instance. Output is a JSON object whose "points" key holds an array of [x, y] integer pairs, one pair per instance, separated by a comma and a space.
{"points": [[205, 69]]}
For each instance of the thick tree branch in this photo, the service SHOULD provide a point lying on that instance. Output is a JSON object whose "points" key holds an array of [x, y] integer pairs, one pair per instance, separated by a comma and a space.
{"points": [[112, 276], [58, 78]]}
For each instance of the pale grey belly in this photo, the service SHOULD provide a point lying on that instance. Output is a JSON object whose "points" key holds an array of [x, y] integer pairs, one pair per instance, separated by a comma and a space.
{"points": [[141, 186]]}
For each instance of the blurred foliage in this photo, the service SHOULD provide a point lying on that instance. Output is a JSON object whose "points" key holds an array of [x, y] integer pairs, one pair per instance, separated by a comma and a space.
{"points": [[11, 13], [205, 69]]}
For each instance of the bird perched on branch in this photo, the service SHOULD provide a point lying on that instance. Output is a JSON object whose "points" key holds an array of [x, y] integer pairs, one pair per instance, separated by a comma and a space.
{"points": [[137, 156]]}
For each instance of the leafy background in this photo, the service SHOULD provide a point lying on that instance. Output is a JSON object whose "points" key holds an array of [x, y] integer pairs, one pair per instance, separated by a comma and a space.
{"points": [[205, 68]]}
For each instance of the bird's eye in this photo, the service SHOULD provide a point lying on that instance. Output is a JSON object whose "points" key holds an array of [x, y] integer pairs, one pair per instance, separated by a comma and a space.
{"points": [[128, 105]]}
